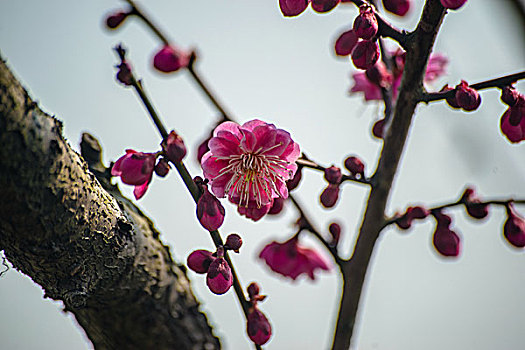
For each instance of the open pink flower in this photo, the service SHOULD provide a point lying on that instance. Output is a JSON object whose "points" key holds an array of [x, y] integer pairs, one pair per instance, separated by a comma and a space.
{"points": [[372, 91], [291, 260], [250, 164], [135, 168]]}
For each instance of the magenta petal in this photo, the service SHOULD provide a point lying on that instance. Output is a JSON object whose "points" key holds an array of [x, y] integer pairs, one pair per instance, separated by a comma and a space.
{"points": [[248, 141], [514, 134], [292, 8], [139, 191], [222, 147], [252, 124], [228, 127]]}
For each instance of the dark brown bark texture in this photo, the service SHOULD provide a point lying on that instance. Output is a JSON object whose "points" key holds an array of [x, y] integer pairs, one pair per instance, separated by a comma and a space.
{"points": [[84, 243]]}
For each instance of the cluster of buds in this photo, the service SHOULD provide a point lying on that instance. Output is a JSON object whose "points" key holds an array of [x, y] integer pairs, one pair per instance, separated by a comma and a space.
{"points": [[136, 168], [513, 120], [257, 326], [292, 8], [464, 97], [219, 278]]}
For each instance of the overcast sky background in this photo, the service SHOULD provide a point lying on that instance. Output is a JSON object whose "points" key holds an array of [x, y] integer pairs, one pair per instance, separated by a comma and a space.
{"points": [[283, 71]]}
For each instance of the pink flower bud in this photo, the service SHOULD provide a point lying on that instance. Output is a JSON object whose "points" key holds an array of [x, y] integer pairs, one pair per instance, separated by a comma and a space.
{"points": [[452, 99], [277, 207], [365, 25], [517, 111], [162, 168], [378, 130], [173, 147], [514, 133], [474, 207], [290, 8], [446, 241], [453, 4], [345, 43], [397, 7], [466, 97], [219, 278], [258, 327], [405, 221], [329, 196], [355, 166], [294, 182], [333, 175], [514, 228], [379, 75], [210, 211], [324, 5], [116, 19], [124, 73], [170, 59], [200, 260], [365, 54], [509, 95], [253, 290], [135, 168], [335, 231], [233, 242]]}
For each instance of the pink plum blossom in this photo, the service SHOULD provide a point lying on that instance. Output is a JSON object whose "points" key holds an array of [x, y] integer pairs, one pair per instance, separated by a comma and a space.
{"points": [[362, 83], [291, 260], [250, 164], [135, 168]]}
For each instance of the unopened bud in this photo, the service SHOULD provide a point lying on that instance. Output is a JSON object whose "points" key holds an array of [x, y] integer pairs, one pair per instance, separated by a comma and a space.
{"points": [[514, 228], [258, 327], [233, 242], [397, 7], [116, 19], [365, 54], [345, 43], [355, 166], [253, 290], [378, 130], [474, 207], [323, 5], [335, 231], [173, 147], [200, 260], [365, 24], [210, 211], [170, 59], [446, 241], [162, 168], [333, 175], [219, 278], [467, 97], [294, 182], [329, 196]]}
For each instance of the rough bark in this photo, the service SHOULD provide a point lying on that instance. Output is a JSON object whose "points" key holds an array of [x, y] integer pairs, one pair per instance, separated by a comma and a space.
{"points": [[84, 243]]}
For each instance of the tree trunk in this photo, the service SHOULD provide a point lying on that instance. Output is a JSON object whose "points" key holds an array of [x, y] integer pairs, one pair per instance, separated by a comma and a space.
{"points": [[85, 244]]}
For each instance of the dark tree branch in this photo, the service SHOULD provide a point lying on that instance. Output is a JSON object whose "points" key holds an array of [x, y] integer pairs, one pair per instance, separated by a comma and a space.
{"points": [[85, 245]]}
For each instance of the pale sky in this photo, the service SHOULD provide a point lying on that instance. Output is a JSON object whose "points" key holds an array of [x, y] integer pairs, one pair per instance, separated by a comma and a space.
{"points": [[283, 71]]}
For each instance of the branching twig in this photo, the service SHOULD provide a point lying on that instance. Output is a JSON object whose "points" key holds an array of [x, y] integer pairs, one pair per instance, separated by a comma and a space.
{"points": [[307, 163]]}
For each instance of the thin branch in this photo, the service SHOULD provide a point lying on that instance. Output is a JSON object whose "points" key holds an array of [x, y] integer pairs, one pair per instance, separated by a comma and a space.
{"points": [[140, 14], [307, 163], [190, 185], [492, 83]]}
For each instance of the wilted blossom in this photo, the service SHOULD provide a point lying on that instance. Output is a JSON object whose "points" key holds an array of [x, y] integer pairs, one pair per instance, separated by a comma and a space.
{"points": [[371, 88], [365, 54], [514, 227], [210, 211], [513, 121], [258, 327], [291, 260], [250, 164], [170, 59], [124, 73], [290, 8], [135, 168], [200, 260], [397, 7], [219, 278], [453, 4], [446, 241], [365, 24], [473, 204]]}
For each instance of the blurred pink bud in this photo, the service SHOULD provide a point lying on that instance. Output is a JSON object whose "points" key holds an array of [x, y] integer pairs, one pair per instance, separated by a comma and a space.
{"points": [[233, 242], [294, 182], [397, 7], [445, 240], [355, 166], [378, 130], [277, 207], [335, 231], [135, 168], [291, 260], [509, 95], [345, 43], [324, 5], [290, 8], [473, 204], [405, 221], [329, 196], [124, 73], [517, 111], [333, 175], [365, 24], [200, 260], [452, 99], [514, 227], [210, 211], [514, 133], [253, 290], [162, 168], [453, 4], [467, 97], [219, 278], [170, 59], [114, 20], [365, 54], [379, 75], [173, 147], [258, 327]]}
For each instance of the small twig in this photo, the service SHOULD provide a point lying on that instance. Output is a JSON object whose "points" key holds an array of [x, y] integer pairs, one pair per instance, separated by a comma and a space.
{"points": [[140, 14], [492, 83], [307, 163]]}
